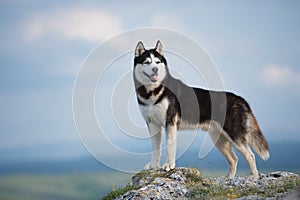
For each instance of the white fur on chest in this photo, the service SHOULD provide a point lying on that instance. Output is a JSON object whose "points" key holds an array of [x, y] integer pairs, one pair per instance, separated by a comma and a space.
{"points": [[155, 113]]}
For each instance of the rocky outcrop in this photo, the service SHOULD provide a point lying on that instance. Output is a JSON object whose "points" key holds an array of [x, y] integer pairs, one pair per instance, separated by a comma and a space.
{"points": [[187, 183]]}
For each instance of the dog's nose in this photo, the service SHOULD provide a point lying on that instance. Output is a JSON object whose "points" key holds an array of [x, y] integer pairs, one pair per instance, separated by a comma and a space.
{"points": [[155, 69]]}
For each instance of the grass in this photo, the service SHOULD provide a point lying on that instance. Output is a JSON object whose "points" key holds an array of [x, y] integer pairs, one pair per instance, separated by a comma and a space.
{"points": [[60, 186], [97, 184], [115, 193], [207, 190]]}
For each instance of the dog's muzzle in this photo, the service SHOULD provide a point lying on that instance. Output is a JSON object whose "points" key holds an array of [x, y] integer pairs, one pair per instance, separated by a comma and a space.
{"points": [[153, 77]]}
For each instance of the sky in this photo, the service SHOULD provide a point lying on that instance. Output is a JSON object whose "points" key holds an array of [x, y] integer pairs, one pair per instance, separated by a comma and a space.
{"points": [[255, 46]]}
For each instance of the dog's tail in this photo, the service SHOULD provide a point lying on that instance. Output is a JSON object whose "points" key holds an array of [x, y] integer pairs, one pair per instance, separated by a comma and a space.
{"points": [[257, 140]]}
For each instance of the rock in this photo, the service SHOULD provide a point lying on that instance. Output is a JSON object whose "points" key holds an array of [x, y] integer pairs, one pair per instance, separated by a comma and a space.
{"points": [[159, 184], [293, 195], [187, 183]]}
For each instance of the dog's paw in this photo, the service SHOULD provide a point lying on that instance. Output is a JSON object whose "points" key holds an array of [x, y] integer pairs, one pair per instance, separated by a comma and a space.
{"points": [[169, 166], [151, 165], [254, 177], [230, 176]]}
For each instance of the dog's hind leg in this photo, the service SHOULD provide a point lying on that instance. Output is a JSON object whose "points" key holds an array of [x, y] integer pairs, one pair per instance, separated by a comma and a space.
{"points": [[245, 150], [224, 145]]}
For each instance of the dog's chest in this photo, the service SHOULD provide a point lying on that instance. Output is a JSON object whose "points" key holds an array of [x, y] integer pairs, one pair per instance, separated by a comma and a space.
{"points": [[155, 113]]}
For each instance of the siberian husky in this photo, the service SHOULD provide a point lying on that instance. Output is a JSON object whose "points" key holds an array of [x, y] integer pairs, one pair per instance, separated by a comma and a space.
{"points": [[166, 102]]}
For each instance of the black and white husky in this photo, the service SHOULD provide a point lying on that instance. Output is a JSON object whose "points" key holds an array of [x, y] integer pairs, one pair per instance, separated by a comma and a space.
{"points": [[166, 102]]}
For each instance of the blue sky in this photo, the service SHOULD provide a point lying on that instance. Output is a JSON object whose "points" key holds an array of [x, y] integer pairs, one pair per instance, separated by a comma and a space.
{"points": [[254, 44]]}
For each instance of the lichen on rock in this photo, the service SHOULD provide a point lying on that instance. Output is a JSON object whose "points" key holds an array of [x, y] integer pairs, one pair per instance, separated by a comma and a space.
{"points": [[188, 183], [159, 184]]}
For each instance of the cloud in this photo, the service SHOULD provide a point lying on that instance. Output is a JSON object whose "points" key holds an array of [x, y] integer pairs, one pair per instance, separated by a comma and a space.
{"points": [[280, 76], [167, 21], [92, 25]]}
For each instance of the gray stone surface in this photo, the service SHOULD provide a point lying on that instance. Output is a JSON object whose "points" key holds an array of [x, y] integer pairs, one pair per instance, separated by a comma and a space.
{"points": [[180, 183]]}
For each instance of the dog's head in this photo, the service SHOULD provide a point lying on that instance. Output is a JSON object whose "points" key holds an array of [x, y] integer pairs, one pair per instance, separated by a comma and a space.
{"points": [[150, 66]]}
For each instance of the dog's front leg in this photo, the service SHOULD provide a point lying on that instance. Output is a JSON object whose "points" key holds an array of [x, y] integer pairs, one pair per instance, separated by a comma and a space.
{"points": [[171, 147], [155, 133]]}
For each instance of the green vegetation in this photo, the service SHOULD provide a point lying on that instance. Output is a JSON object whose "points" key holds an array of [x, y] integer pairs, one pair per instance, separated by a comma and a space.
{"points": [[115, 193], [207, 190], [96, 185], [151, 174], [60, 186], [203, 187]]}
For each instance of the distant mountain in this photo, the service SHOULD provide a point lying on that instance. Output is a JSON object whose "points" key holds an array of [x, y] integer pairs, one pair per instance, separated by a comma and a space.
{"points": [[283, 157], [85, 164]]}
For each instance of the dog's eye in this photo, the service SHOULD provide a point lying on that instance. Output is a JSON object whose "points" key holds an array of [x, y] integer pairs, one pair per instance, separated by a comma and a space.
{"points": [[157, 62], [147, 62]]}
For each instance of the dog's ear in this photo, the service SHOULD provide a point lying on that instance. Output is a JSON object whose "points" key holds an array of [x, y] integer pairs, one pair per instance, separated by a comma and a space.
{"points": [[158, 47], [140, 49]]}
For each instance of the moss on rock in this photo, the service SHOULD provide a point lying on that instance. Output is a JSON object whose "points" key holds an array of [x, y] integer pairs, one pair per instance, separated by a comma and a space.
{"points": [[187, 183]]}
